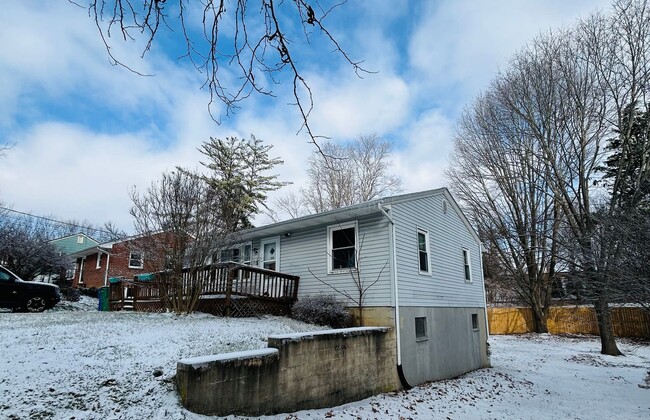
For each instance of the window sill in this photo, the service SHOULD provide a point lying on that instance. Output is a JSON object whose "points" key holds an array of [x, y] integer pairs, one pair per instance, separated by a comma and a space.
{"points": [[420, 339], [343, 270], [136, 268]]}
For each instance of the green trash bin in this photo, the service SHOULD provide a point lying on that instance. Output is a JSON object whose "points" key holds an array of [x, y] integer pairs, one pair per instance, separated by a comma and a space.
{"points": [[104, 302]]}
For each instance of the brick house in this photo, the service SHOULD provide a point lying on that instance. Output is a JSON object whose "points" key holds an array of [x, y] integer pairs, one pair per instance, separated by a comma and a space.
{"points": [[94, 266]]}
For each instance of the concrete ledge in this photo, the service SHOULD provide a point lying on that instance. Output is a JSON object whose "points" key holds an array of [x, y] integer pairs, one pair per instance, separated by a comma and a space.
{"points": [[211, 360], [298, 371]]}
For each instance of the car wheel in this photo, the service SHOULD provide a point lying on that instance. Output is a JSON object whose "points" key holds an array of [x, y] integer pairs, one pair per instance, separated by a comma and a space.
{"points": [[35, 304]]}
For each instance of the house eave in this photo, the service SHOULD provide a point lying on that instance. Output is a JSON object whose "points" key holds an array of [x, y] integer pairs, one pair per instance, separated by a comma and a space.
{"points": [[333, 216]]}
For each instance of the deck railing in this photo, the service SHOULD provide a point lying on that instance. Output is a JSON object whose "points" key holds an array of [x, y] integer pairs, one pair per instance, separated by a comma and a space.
{"points": [[227, 279]]}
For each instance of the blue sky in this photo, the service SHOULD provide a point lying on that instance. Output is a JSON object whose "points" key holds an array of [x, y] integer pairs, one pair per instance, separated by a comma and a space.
{"points": [[86, 132]]}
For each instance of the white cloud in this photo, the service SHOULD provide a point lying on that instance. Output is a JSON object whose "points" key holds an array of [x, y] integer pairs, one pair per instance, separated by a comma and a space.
{"points": [[422, 158], [346, 106], [71, 172], [462, 43]]}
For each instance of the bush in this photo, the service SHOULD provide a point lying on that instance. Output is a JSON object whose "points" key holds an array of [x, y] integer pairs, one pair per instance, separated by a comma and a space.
{"points": [[322, 310], [70, 294], [89, 291]]}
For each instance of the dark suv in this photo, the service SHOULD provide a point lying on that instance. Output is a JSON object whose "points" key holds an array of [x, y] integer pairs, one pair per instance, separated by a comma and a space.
{"points": [[21, 295]]}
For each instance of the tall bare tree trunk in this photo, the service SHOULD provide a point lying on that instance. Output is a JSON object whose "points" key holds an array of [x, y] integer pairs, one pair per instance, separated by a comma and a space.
{"points": [[604, 316]]}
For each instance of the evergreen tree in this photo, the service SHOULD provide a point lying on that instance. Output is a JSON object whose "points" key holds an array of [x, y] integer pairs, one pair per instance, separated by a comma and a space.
{"points": [[627, 169], [239, 177]]}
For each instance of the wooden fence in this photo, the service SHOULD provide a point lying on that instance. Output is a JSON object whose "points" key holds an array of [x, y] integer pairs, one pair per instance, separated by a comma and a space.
{"points": [[627, 322], [222, 288]]}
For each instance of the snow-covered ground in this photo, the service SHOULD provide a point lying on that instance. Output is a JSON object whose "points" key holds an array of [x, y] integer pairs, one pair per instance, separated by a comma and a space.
{"points": [[74, 362]]}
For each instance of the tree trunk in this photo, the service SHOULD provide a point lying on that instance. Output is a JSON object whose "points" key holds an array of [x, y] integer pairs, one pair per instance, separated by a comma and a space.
{"points": [[540, 318], [607, 339]]}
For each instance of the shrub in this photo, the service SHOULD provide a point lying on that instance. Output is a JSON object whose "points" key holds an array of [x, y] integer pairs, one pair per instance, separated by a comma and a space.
{"points": [[322, 310], [89, 291]]}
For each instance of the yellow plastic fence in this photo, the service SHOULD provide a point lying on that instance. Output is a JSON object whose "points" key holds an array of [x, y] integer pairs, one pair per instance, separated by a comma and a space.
{"points": [[627, 322]]}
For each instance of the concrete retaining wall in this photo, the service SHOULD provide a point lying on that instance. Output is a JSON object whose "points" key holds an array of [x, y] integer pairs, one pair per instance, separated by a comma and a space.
{"points": [[296, 372]]}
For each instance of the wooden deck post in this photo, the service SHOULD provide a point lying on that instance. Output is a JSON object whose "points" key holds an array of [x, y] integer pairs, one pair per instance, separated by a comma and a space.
{"points": [[229, 281]]}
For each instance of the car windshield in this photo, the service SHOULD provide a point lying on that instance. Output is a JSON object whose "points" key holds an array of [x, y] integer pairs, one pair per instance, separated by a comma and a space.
{"points": [[5, 275]]}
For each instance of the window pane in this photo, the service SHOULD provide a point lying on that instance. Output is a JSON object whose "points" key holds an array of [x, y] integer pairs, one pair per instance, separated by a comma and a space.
{"points": [[422, 241], [343, 258], [343, 238], [269, 251], [247, 254], [424, 263], [420, 327]]}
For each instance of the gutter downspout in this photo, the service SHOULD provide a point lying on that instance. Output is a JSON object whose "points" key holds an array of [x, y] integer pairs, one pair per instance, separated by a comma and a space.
{"points": [[485, 309], [108, 261], [393, 252]]}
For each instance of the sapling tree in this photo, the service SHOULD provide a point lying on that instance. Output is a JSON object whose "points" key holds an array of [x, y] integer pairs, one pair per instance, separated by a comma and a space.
{"points": [[359, 282]]}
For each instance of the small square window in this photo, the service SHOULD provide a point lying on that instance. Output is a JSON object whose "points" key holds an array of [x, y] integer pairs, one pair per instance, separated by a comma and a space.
{"points": [[80, 239], [420, 328], [475, 322]]}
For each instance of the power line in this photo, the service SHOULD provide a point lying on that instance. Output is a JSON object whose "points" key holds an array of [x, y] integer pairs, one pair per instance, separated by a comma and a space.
{"points": [[56, 221]]}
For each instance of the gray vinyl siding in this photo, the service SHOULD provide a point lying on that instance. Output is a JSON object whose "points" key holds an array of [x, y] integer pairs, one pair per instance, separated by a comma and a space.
{"points": [[448, 235], [306, 250]]}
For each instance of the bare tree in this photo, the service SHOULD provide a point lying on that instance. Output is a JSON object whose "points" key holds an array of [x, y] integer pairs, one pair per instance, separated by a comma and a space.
{"points": [[499, 175], [254, 39], [179, 230], [26, 250], [344, 174]]}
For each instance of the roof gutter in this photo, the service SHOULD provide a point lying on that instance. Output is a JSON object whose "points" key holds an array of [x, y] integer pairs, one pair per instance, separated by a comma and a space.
{"points": [[393, 252]]}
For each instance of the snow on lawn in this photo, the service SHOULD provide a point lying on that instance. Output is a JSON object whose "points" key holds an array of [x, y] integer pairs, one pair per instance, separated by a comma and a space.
{"points": [[82, 364]]}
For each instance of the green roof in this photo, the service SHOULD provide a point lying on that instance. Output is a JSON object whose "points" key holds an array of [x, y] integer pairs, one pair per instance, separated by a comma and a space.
{"points": [[74, 243]]}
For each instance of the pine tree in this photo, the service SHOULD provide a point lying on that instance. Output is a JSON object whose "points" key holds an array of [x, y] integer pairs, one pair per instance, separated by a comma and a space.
{"points": [[627, 169], [239, 177]]}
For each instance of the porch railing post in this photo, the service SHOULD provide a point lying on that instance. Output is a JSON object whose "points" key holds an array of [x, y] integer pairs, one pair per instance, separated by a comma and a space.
{"points": [[229, 282]]}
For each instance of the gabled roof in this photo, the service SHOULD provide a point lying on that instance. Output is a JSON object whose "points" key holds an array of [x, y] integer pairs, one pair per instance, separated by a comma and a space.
{"points": [[351, 212], [70, 244]]}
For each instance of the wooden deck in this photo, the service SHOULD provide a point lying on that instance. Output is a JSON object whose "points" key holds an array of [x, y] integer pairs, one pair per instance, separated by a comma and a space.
{"points": [[229, 289]]}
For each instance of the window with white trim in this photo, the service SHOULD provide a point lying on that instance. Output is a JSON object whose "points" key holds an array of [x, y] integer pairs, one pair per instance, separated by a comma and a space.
{"points": [[98, 264], [238, 253], [80, 239], [423, 251], [342, 240], [136, 260], [467, 266]]}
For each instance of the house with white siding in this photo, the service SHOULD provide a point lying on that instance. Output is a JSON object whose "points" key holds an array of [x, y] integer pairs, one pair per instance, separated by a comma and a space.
{"points": [[424, 259]]}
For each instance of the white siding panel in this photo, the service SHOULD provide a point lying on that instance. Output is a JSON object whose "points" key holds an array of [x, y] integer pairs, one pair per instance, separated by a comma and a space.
{"points": [[306, 250], [448, 235]]}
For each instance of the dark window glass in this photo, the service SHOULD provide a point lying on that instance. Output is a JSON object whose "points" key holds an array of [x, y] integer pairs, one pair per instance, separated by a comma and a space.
{"points": [[475, 321], [343, 238], [343, 248], [422, 247], [420, 327]]}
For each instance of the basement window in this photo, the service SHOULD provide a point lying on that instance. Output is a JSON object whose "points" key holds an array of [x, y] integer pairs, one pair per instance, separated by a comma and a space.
{"points": [[421, 329], [475, 322]]}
